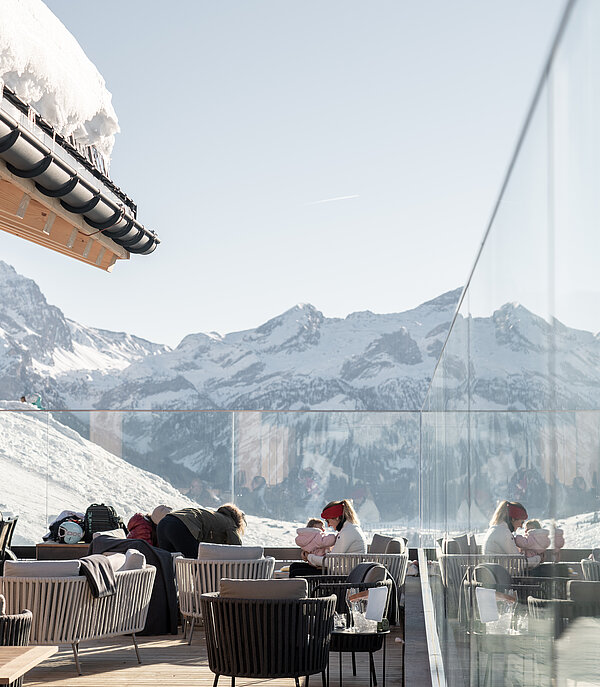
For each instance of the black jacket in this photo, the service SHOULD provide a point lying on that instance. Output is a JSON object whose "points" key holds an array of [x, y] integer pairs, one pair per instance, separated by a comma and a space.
{"points": [[162, 614]]}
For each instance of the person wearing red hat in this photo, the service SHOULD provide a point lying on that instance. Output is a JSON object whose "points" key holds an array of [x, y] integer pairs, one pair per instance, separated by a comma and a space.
{"points": [[508, 517], [341, 516]]}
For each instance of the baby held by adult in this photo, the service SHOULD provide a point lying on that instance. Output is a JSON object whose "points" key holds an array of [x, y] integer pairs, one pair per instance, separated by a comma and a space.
{"points": [[536, 539], [312, 538]]}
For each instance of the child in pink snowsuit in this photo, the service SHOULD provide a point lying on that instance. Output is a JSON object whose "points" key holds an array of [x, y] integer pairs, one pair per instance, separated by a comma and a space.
{"points": [[536, 539], [313, 539]]}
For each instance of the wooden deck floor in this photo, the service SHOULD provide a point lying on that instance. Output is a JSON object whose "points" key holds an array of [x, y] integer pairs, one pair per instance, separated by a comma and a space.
{"points": [[168, 661]]}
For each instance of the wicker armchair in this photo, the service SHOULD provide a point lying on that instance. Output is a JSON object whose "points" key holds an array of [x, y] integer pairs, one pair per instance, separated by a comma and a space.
{"points": [[65, 612], [14, 631], [343, 563], [590, 570], [7, 528], [196, 577], [456, 567], [267, 638]]}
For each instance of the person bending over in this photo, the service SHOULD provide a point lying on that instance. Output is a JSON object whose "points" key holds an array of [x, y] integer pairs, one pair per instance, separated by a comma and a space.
{"points": [[182, 530]]}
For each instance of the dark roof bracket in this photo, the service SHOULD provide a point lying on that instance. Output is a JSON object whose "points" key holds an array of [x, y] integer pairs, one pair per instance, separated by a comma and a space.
{"points": [[80, 209], [67, 187], [8, 141], [111, 221], [35, 171]]}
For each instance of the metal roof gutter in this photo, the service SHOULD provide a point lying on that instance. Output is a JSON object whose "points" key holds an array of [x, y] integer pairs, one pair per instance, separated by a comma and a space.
{"points": [[27, 156]]}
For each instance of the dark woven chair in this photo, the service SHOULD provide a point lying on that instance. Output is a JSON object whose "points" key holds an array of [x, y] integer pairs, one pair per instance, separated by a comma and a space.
{"points": [[267, 638], [7, 527], [558, 613], [585, 596], [14, 631]]}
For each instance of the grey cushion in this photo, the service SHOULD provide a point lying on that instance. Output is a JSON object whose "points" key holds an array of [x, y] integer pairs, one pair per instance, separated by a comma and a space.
{"points": [[131, 560], [450, 546], [118, 534], [296, 588], [379, 543], [228, 552], [395, 546], [41, 568], [376, 573], [458, 544], [584, 591], [116, 560], [463, 543]]}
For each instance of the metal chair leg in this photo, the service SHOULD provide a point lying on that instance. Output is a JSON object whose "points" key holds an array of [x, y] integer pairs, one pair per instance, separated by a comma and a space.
{"points": [[216, 682], [353, 664], [192, 623], [323, 680], [372, 668], [75, 646], [137, 653], [297, 682]]}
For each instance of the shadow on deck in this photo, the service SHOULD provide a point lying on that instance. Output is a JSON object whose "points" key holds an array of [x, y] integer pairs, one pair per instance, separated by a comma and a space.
{"points": [[169, 661]]}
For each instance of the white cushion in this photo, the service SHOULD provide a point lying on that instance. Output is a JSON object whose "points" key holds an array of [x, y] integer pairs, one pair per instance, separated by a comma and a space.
{"points": [[118, 534], [116, 560], [134, 560], [228, 552], [41, 568]]}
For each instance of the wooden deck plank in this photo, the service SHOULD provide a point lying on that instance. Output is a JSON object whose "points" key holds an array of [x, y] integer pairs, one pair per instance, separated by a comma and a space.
{"points": [[168, 661]]}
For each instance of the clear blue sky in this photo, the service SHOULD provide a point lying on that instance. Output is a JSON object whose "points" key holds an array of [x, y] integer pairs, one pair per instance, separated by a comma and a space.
{"points": [[238, 116]]}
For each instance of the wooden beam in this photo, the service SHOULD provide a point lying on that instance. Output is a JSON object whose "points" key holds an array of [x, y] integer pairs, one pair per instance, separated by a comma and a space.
{"points": [[48, 224]]}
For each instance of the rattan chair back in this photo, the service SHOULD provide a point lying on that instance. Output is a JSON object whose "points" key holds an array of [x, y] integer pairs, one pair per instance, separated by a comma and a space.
{"points": [[267, 638], [15, 631]]}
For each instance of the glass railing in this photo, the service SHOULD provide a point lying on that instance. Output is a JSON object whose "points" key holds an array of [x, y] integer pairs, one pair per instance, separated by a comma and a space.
{"points": [[279, 467]]}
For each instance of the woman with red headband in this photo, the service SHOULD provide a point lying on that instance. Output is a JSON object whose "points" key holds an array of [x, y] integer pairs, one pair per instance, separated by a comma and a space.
{"points": [[341, 516], [508, 517]]}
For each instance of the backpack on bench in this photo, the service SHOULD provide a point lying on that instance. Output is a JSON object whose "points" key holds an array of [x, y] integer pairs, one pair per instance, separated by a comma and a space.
{"points": [[101, 518]]}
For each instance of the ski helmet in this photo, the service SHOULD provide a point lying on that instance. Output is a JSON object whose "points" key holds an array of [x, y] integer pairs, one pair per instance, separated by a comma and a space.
{"points": [[70, 532]]}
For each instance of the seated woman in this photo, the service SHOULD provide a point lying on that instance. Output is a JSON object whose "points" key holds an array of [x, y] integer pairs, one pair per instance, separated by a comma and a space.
{"points": [[182, 530], [508, 517], [340, 515]]}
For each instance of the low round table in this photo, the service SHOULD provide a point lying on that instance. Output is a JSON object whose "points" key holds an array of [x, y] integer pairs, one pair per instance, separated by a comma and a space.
{"points": [[348, 641]]}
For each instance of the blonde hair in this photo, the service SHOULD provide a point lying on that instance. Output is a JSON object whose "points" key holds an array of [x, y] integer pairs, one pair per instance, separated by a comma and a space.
{"points": [[235, 514], [533, 525], [315, 522], [501, 514], [349, 513]]}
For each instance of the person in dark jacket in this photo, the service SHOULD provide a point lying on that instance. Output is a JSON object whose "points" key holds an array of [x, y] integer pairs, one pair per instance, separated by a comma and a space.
{"points": [[182, 530], [144, 526]]}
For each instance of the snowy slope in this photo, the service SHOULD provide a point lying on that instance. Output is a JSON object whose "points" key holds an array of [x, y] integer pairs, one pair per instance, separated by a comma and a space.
{"points": [[47, 467], [44, 64]]}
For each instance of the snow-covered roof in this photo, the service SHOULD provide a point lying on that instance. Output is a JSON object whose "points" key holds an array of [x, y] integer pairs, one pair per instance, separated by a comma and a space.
{"points": [[57, 128], [46, 67]]}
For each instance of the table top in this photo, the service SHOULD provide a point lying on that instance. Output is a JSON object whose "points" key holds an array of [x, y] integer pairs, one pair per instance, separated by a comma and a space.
{"points": [[15, 661]]}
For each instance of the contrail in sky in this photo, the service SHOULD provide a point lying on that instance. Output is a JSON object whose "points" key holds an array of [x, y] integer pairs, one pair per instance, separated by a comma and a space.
{"points": [[330, 200]]}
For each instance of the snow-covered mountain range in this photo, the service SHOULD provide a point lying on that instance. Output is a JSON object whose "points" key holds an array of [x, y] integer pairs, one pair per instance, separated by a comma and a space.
{"points": [[174, 405]]}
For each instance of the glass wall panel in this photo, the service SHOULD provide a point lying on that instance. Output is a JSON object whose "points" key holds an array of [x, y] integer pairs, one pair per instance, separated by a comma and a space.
{"points": [[525, 425], [281, 468]]}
